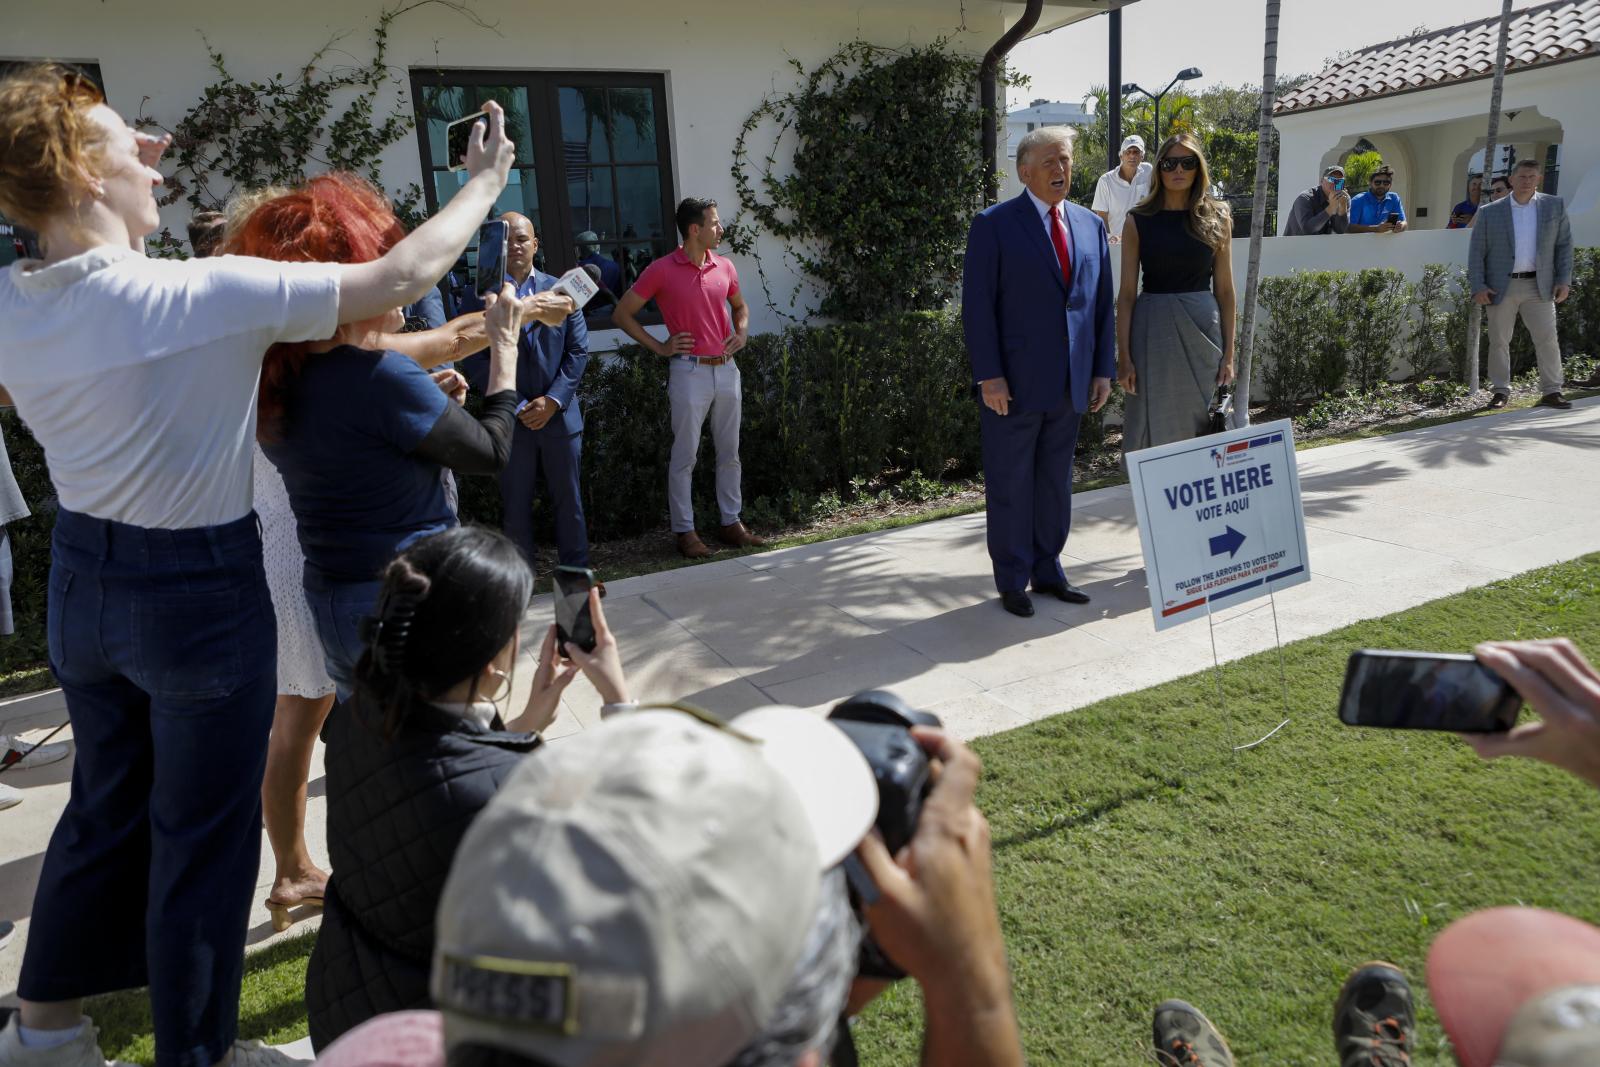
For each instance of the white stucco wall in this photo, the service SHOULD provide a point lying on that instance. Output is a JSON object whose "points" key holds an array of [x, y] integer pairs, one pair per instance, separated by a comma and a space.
{"points": [[1432, 133], [718, 61]]}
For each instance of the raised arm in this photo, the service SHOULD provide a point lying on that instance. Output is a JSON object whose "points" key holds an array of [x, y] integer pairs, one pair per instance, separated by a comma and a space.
{"points": [[405, 272], [455, 340]]}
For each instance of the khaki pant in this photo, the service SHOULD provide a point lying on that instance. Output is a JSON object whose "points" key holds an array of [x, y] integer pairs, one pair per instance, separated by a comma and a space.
{"points": [[1539, 316], [695, 392]]}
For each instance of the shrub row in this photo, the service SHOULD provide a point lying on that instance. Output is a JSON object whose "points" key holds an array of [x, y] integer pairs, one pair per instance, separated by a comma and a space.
{"points": [[1332, 331]]}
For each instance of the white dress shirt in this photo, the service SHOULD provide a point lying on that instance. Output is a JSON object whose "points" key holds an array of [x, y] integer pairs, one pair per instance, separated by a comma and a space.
{"points": [[1116, 197], [1525, 225], [1044, 217]]}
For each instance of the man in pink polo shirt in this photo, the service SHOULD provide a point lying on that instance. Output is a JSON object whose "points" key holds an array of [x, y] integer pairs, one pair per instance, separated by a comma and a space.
{"points": [[695, 288]]}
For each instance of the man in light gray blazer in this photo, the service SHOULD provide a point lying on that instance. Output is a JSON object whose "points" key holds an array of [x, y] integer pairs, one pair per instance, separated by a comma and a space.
{"points": [[1520, 262]]}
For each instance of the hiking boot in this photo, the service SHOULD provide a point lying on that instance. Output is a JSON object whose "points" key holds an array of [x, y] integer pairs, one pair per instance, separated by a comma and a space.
{"points": [[1186, 1038], [81, 1051], [1374, 1022], [1557, 1028], [738, 535], [691, 547]]}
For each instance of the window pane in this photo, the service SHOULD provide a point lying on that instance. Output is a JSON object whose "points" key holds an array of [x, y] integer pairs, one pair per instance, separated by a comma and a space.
{"points": [[633, 125], [521, 194], [441, 105], [447, 183], [589, 191], [583, 125], [639, 202], [514, 98]]}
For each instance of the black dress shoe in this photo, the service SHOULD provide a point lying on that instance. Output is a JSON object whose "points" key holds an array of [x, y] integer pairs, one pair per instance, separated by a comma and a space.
{"points": [[1554, 400], [1498, 400], [1017, 603], [1063, 591]]}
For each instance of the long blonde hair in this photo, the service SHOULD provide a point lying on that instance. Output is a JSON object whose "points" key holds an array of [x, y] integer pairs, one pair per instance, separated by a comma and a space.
{"points": [[1208, 220]]}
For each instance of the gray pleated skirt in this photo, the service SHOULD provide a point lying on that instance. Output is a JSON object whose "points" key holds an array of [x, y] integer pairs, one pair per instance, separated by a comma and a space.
{"points": [[1176, 342]]}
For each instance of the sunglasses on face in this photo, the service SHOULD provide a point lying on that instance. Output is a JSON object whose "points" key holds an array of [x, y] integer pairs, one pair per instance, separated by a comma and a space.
{"points": [[1172, 163]]}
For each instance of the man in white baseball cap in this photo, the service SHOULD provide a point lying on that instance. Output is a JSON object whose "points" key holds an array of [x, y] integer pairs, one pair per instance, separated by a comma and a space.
{"points": [[1120, 188], [665, 890]]}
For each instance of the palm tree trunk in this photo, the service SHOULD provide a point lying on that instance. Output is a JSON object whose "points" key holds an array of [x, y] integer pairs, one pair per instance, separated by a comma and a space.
{"points": [[1475, 315], [1258, 218]]}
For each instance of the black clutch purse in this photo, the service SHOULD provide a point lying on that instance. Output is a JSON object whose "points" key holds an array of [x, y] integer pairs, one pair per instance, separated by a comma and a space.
{"points": [[1221, 407]]}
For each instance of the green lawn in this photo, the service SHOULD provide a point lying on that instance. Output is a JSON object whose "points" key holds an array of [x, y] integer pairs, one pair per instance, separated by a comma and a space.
{"points": [[1139, 858]]}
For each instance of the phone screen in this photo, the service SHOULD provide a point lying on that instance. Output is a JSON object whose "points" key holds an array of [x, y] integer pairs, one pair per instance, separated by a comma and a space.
{"points": [[1426, 691], [456, 136], [491, 270], [573, 623]]}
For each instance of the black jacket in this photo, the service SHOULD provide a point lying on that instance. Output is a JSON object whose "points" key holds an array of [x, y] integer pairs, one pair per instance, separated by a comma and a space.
{"points": [[397, 809]]}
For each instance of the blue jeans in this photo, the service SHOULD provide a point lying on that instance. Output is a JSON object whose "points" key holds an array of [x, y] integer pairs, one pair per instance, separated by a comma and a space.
{"points": [[166, 646], [338, 608]]}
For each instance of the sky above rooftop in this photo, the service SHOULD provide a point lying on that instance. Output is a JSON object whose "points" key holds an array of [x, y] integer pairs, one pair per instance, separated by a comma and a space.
{"points": [[1224, 38]]}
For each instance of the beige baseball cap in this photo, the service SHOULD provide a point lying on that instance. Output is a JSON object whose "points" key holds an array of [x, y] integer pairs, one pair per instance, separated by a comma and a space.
{"points": [[639, 894]]}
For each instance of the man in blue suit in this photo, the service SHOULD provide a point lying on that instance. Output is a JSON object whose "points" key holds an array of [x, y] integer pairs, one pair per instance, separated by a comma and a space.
{"points": [[1039, 318], [549, 434]]}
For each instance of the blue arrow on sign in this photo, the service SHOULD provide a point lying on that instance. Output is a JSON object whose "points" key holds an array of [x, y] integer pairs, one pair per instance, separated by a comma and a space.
{"points": [[1227, 542]]}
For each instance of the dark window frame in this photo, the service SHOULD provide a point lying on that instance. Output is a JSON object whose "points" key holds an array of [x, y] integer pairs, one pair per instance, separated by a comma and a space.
{"points": [[557, 235]]}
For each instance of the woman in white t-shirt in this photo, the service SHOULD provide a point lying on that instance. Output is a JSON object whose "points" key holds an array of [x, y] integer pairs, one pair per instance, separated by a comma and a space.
{"points": [[138, 378]]}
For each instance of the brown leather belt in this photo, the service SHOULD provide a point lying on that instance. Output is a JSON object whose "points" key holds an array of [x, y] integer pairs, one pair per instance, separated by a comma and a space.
{"points": [[709, 361]]}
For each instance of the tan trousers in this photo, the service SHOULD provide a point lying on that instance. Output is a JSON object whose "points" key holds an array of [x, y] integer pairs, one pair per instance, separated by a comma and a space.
{"points": [[1539, 316]]}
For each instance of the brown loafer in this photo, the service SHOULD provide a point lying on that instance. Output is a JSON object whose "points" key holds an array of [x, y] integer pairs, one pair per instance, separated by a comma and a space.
{"points": [[1555, 400], [738, 535], [691, 547]]}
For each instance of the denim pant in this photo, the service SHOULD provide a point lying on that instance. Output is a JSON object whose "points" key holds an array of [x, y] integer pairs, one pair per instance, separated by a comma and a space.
{"points": [[338, 608], [166, 646]]}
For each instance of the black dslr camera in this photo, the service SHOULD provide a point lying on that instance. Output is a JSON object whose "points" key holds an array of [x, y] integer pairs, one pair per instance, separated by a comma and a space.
{"points": [[880, 723]]}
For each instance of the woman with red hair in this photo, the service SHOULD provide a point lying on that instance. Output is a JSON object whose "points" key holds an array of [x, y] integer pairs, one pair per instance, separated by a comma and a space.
{"points": [[361, 433], [138, 376]]}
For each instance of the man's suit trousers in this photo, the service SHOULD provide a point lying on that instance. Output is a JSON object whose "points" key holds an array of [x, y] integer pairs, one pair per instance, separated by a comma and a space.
{"points": [[1027, 473]]}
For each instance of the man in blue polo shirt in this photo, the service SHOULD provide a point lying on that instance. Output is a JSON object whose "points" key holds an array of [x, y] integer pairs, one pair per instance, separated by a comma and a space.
{"points": [[1378, 210]]}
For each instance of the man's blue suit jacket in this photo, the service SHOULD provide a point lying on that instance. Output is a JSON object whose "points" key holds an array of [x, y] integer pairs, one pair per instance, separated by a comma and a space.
{"points": [[1020, 321], [550, 360]]}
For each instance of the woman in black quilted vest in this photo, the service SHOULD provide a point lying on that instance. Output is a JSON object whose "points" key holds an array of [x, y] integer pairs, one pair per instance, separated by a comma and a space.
{"points": [[417, 753]]}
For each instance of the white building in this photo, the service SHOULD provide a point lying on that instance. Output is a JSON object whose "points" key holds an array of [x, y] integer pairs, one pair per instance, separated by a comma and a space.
{"points": [[623, 109], [1423, 103]]}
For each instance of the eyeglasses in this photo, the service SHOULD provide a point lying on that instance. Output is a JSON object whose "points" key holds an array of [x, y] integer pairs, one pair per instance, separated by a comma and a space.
{"points": [[1172, 163]]}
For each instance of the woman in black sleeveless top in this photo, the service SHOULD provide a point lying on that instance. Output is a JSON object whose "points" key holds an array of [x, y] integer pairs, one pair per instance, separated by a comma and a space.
{"points": [[1175, 341]]}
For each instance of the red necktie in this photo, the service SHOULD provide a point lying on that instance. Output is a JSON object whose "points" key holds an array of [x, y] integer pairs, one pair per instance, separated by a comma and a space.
{"points": [[1058, 237]]}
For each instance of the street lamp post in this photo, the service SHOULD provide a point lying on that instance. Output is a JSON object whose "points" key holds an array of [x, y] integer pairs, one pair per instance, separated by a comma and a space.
{"points": [[1187, 74]]}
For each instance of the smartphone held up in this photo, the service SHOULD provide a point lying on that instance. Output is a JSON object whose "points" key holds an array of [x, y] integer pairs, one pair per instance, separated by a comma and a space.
{"points": [[492, 249], [573, 622], [1426, 691]]}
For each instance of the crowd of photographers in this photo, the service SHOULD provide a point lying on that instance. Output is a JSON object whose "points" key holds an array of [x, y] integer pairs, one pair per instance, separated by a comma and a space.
{"points": [[665, 888]]}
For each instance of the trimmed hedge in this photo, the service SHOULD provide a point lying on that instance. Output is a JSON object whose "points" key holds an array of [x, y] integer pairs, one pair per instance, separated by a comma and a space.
{"points": [[1329, 331]]}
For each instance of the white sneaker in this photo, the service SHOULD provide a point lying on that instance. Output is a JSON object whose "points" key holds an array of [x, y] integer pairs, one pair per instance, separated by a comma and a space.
{"points": [[81, 1051], [42, 756], [10, 796], [256, 1054]]}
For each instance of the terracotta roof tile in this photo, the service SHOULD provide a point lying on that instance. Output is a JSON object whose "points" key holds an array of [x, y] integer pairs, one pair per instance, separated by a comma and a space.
{"points": [[1547, 33]]}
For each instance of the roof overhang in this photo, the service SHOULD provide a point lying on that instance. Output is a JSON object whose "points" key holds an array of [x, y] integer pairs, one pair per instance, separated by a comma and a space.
{"points": [[1059, 13]]}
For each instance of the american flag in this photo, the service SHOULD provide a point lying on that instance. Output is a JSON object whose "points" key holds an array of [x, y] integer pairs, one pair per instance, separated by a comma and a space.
{"points": [[575, 154]]}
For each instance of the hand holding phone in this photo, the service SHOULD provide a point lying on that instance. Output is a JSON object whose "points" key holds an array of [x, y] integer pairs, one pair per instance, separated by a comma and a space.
{"points": [[574, 625], [1426, 691], [602, 661], [1564, 688]]}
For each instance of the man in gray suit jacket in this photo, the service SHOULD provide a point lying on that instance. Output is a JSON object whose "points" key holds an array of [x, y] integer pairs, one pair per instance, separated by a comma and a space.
{"points": [[1520, 262]]}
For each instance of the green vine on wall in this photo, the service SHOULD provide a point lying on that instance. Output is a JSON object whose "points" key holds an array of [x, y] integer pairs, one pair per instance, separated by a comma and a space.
{"points": [[244, 135], [881, 173]]}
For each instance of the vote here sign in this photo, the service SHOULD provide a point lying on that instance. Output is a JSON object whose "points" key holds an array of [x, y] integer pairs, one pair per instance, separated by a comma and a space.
{"points": [[1219, 520]]}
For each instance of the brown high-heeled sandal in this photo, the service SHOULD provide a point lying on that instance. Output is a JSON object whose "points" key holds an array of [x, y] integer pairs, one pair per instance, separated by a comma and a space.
{"points": [[280, 912]]}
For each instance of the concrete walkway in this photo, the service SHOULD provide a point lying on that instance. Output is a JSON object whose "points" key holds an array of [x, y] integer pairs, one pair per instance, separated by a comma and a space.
{"points": [[1392, 522]]}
